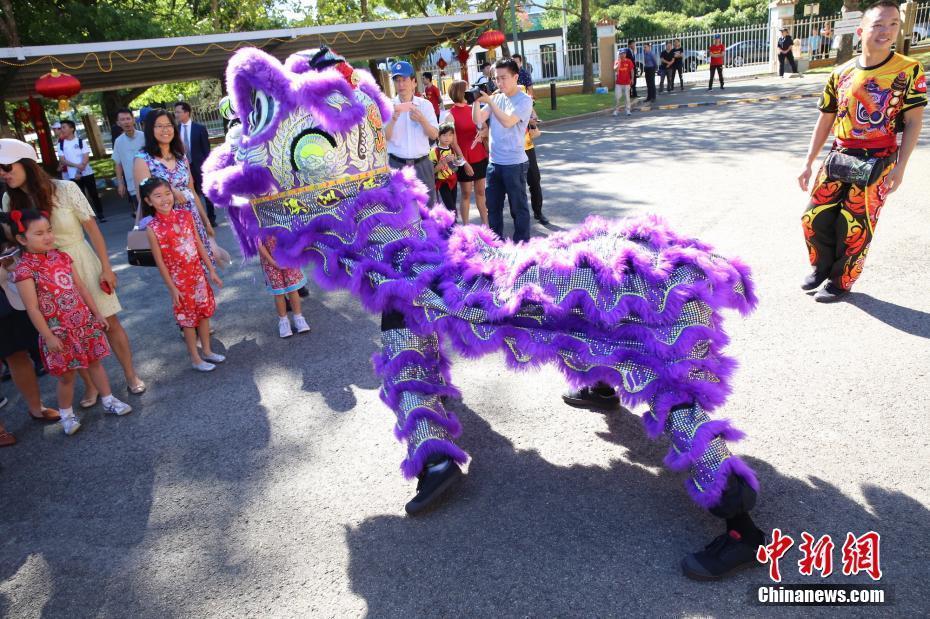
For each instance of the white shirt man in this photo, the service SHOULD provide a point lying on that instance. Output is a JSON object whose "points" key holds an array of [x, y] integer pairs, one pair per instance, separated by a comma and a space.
{"points": [[413, 124], [73, 150], [74, 163], [125, 148]]}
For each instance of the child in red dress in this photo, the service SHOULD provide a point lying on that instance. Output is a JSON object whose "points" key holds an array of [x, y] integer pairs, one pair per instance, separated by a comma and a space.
{"points": [[284, 283], [71, 328], [181, 259]]}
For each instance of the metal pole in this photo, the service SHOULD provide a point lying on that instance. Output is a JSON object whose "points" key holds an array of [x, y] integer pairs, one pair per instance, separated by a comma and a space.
{"points": [[552, 97], [516, 38]]}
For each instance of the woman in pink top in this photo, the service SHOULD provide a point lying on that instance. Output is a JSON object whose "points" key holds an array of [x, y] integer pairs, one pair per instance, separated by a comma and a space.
{"points": [[472, 176]]}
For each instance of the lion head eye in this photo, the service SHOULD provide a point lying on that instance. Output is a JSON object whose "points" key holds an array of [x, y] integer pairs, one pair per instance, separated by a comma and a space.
{"points": [[263, 109], [309, 149]]}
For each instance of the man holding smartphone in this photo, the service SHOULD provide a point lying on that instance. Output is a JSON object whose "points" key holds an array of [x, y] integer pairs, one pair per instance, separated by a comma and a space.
{"points": [[507, 113], [413, 124]]}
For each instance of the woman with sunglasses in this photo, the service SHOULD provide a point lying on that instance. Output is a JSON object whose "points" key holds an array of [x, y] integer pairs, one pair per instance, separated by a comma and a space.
{"points": [[30, 187], [164, 156]]}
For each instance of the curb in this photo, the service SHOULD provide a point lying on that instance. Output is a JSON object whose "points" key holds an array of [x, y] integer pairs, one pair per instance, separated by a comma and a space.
{"points": [[678, 106]]}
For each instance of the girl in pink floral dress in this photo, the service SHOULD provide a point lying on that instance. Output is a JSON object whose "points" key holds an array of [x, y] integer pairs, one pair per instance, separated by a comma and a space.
{"points": [[72, 331], [181, 259], [284, 283]]}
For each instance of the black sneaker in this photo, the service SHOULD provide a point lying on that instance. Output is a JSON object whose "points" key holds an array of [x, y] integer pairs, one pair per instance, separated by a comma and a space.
{"points": [[543, 220], [830, 294], [813, 281], [600, 398], [727, 554], [431, 486]]}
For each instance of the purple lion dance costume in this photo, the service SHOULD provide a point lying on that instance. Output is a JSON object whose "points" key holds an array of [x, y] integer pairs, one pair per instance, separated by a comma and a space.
{"points": [[631, 304]]}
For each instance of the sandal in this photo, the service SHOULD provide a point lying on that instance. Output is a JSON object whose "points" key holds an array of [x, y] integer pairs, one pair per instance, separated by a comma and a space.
{"points": [[6, 439], [47, 414], [137, 389], [89, 402]]}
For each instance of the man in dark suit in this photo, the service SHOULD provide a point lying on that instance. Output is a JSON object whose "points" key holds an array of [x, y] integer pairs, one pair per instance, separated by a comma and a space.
{"points": [[197, 144]]}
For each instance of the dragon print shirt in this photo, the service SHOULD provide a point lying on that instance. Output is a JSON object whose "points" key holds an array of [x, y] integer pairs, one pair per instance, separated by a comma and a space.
{"points": [[870, 102]]}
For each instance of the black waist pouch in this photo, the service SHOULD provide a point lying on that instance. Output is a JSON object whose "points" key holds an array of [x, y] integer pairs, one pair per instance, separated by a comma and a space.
{"points": [[861, 171]]}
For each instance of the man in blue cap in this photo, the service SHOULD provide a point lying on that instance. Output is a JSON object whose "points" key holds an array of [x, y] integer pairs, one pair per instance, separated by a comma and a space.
{"points": [[413, 124]]}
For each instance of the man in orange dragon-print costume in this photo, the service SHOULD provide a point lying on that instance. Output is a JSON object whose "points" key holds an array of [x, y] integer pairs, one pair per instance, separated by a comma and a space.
{"points": [[866, 103]]}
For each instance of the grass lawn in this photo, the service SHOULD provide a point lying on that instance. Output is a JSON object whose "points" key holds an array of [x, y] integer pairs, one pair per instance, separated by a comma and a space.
{"points": [[103, 168], [572, 105]]}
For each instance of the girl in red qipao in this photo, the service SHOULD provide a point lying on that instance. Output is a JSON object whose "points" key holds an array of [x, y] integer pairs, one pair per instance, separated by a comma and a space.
{"points": [[181, 259], [71, 328]]}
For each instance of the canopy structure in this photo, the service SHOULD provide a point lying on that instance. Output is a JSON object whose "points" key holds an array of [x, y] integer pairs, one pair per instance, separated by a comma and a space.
{"points": [[146, 62]]}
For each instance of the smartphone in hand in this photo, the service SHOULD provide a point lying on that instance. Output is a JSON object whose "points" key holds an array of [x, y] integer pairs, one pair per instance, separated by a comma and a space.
{"points": [[105, 286]]}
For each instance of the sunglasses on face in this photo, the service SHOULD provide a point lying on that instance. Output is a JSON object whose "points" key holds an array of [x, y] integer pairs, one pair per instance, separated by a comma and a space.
{"points": [[6, 167]]}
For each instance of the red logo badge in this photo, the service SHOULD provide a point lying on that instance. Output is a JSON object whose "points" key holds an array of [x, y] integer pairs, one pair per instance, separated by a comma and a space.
{"points": [[921, 84]]}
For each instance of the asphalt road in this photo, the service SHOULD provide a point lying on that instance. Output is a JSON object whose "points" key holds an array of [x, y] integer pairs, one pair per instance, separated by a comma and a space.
{"points": [[271, 487]]}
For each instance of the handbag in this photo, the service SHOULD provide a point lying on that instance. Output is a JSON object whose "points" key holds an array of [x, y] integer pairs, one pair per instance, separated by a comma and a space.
{"points": [[854, 170], [222, 257], [138, 250]]}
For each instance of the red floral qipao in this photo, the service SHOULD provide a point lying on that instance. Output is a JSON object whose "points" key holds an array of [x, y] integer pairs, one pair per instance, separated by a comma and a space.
{"points": [[176, 238], [82, 335]]}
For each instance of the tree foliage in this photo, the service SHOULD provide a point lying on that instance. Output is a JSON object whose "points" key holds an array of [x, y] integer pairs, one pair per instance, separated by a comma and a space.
{"points": [[48, 22]]}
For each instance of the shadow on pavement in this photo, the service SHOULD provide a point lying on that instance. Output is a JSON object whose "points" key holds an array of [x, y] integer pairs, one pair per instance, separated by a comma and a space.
{"points": [[79, 527], [522, 536], [910, 321]]}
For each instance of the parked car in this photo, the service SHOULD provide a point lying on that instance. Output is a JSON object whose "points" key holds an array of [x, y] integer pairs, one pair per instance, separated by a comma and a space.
{"points": [[746, 52], [690, 59]]}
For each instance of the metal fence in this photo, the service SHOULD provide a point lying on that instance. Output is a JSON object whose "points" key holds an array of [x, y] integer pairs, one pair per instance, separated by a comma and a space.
{"points": [[746, 51], [206, 116]]}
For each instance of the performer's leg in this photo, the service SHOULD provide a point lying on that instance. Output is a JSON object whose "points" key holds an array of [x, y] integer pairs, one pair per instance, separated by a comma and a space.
{"points": [[819, 223], [854, 229], [717, 481], [415, 376]]}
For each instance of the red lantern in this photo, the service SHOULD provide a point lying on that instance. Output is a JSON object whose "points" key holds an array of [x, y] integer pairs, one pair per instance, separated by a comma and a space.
{"points": [[57, 85], [491, 39], [442, 64]]}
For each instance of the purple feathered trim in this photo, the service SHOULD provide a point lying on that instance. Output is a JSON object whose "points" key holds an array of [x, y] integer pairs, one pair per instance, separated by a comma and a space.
{"points": [[709, 497], [707, 432], [449, 422], [413, 465]]}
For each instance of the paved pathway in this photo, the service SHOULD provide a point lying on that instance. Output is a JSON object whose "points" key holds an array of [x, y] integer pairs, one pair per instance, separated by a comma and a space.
{"points": [[270, 488]]}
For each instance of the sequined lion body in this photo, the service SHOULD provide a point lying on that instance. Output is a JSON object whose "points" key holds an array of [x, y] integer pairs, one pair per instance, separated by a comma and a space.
{"points": [[630, 304]]}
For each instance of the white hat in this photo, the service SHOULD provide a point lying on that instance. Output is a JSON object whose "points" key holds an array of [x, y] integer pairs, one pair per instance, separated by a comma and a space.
{"points": [[56, 125], [12, 151]]}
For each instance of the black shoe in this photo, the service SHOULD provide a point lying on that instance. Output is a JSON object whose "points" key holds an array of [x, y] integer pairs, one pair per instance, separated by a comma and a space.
{"points": [[830, 294], [542, 219], [813, 281], [431, 487], [727, 554], [593, 398]]}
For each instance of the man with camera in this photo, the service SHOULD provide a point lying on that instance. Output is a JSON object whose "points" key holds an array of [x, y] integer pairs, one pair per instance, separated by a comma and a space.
{"points": [[507, 113], [413, 124]]}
